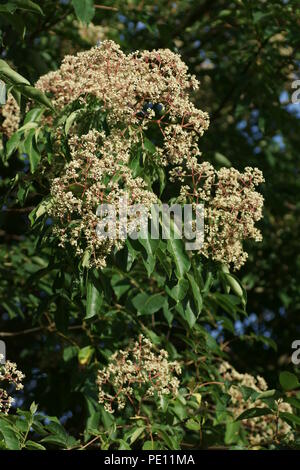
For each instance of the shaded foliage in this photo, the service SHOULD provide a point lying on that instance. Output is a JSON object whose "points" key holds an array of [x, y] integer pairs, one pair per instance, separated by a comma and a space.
{"points": [[60, 322]]}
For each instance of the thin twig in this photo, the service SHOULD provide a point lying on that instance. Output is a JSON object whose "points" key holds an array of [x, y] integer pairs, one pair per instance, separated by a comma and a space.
{"points": [[104, 7], [50, 329]]}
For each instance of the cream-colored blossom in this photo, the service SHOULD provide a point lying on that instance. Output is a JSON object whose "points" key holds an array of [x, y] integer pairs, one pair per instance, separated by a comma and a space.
{"points": [[261, 430], [231, 207], [97, 174], [141, 94], [10, 375], [130, 88], [10, 113], [138, 368]]}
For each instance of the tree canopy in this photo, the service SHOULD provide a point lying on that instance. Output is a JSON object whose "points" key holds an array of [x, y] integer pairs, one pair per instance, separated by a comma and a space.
{"points": [[140, 343]]}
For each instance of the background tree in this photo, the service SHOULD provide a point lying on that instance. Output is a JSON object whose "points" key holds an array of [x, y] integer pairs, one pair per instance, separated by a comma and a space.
{"points": [[246, 56]]}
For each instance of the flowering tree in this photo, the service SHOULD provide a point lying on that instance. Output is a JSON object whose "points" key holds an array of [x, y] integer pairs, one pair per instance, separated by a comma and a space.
{"points": [[128, 340]]}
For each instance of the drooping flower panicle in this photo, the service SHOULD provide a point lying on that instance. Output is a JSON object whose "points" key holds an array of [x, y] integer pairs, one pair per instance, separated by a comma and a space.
{"points": [[231, 207]]}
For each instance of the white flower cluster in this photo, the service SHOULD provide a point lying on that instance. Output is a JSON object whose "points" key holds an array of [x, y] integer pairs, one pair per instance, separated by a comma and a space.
{"points": [[261, 429], [10, 113], [137, 371], [12, 376], [231, 207], [140, 91], [144, 98], [97, 174]]}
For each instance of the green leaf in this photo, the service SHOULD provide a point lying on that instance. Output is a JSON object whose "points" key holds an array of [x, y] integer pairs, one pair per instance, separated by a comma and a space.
{"points": [[35, 94], [150, 246], [232, 432], [162, 180], [8, 8], [295, 402], [69, 353], [40, 210], [31, 445], [169, 440], [120, 286], [136, 434], [27, 127], [28, 5], [33, 115], [17, 95], [165, 262], [266, 394], [21, 424], [176, 249], [9, 435], [259, 15], [190, 316], [288, 381], [222, 160], [290, 418], [253, 413], [85, 262], [124, 445], [94, 300], [196, 293], [149, 146], [149, 445], [153, 304], [33, 408], [186, 313], [226, 301], [167, 314], [233, 283], [12, 144], [70, 119], [147, 305], [178, 292], [268, 341], [84, 10], [93, 417], [193, 425], [58, 435], [2, 92], [139, 300], [85, 354], [11, 76], [31, 149], [225, 13]]}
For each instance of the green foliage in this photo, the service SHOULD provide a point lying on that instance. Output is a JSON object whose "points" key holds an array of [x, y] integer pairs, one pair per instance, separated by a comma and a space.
{"points": [[62, 321], [288, 381], [84, 10], [15, 431]]}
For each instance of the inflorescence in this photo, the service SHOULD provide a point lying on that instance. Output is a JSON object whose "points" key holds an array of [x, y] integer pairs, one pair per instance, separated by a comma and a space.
{"points": [[231, 207], [143, 99], [135, 374], [261, 429], [10, 375]]}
